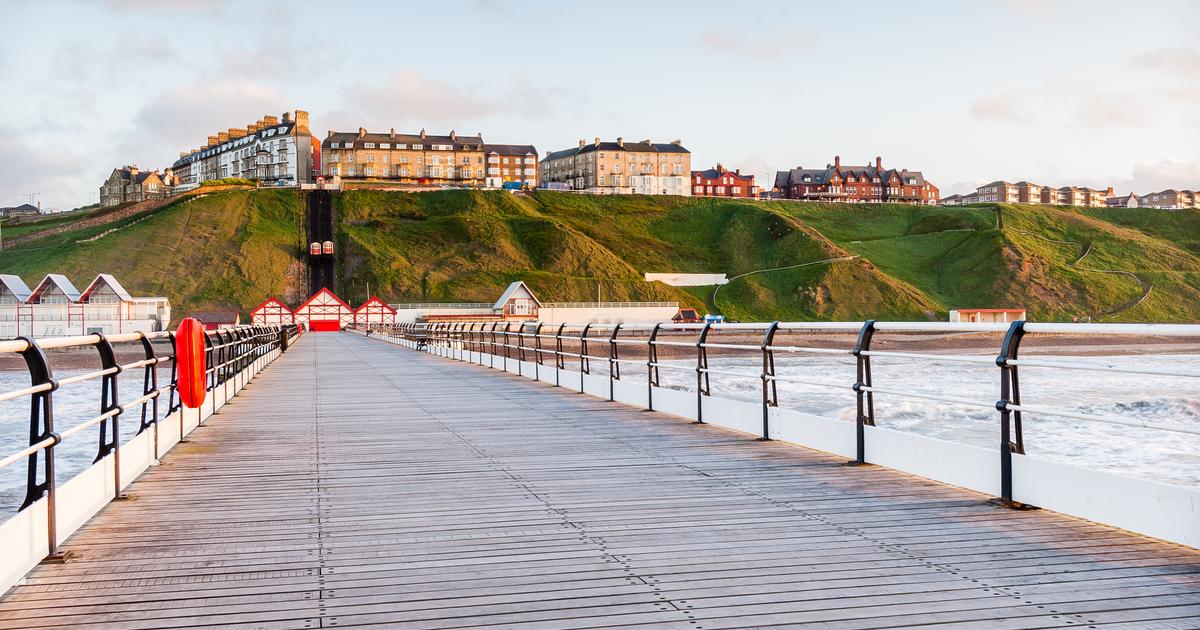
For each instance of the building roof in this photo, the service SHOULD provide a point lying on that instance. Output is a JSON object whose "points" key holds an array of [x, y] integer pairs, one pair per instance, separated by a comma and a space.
{"points": [[375, 301], [271, 301], [713, 173], [514, 290], [217, 317], [108, 279], [56, 280], [16, 286], [354, 139], [631, 147], [510, 149]]}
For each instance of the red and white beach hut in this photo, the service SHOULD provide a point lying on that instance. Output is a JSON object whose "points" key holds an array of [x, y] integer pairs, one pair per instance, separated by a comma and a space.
{"points": [[325, 312], [272, 312], [374, 311]]}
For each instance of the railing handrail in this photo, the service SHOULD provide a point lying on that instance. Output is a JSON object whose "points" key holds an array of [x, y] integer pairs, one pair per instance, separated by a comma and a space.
{"points": [[485, 338]]}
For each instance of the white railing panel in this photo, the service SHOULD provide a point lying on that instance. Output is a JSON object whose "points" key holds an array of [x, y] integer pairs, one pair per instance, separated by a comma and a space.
{"points": [[23, 543], [954, 463], [816, 432], [1138, 505], [733, 414]]}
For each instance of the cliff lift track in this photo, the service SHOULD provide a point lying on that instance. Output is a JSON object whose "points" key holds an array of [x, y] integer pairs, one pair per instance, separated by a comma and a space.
{"points": [[712, 299]]}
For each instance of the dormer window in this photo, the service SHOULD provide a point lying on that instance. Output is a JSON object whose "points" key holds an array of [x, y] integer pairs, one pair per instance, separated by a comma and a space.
{"points": [[808, 178]]}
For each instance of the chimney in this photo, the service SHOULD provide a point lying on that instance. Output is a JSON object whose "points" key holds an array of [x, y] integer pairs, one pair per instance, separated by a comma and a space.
{"points": [[597, 140], [720, 168], [878, 163], [581, 143], [133, 170], [621, 142], [453, 136], [183, 154], [270, 120], [212, 141], [837, 161], [222, 137], [330, 134], [392, 133], [236, 132], [646, 141], [258, 126], [361, 132], [301, 121], [250, 129], [677, 142], [422, 133]]}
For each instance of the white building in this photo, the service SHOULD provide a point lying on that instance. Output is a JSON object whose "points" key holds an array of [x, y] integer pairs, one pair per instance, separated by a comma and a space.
{"points": [[272, 151], [55, 308]]}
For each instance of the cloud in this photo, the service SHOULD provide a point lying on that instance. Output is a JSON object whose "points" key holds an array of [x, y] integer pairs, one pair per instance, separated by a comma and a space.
{"points": [[1166, 173], [996, 107], [1184, 62], [37, 168], [1112, 109], [406, 96], [175, 5], [760, 45], [182, 118]]}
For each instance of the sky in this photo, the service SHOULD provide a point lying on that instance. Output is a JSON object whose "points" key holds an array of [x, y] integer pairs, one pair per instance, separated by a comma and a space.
{"points": [[1090, 93]]}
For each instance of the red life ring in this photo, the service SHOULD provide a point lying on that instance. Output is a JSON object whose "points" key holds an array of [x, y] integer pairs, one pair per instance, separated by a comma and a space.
{"points": [[191, 369]]}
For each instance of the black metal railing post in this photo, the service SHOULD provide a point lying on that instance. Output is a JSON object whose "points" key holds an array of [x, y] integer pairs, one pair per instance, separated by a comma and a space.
{"points": [[41, 427], [864, 400], [1011, 438], [703, 383], [521, 344], [770, 389], [110, 440], [559, 360], [538, 361], [585, 363], [492, 345], [652, 365], [614, 368], [507, 343]]}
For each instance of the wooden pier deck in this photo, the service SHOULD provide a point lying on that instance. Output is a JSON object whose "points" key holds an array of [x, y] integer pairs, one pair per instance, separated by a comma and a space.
{"points": [[356, 483]]}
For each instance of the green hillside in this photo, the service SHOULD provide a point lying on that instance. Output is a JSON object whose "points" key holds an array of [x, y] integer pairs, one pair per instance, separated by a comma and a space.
{"points": [[893, 262], [225, 250]]}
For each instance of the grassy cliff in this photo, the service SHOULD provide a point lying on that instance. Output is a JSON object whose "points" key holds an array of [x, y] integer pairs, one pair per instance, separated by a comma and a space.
{"points": [[235, 248], [225, 250]]}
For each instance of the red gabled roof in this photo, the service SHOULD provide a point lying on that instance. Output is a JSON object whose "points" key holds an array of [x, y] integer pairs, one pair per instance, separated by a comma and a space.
{"points": [[373, 300], [318, 294], [272, 301]]}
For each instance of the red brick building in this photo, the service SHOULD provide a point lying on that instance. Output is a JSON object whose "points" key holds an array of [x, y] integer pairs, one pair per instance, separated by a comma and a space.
{"points": [[722, 182], [857, 184]]}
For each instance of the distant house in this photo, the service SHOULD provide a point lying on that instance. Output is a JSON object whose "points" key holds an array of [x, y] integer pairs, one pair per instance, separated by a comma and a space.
{"points": [[511, 164], [987, 315], [216, 320], [128, 184], [22, 210], [722, 182], [1126, 201], [517, 302], [1171, 199], [857, 184]]}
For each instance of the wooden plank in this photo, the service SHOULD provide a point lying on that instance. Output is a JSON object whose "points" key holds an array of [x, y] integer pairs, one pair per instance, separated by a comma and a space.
{"points": [[359, 484]]}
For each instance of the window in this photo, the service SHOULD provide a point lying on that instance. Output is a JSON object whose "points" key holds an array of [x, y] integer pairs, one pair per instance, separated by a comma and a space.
{"points": [[417, 147], [333, 145], [370, 158], [384, 145], [403, 171], [369, 145]]}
